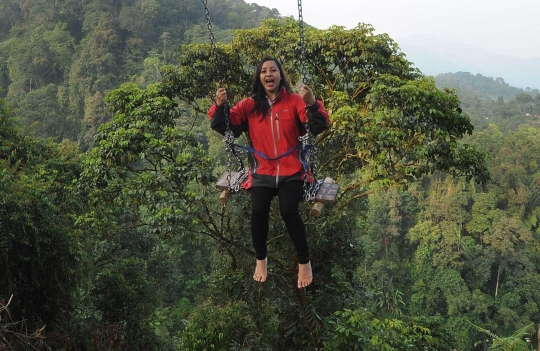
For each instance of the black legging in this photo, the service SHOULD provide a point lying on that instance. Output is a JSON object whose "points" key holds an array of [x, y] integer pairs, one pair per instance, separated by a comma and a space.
{"points": [[289, 194]]}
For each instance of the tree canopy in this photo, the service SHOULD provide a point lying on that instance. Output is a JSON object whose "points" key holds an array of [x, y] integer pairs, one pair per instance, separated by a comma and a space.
{"points": [[433, 243], [389, 127]]}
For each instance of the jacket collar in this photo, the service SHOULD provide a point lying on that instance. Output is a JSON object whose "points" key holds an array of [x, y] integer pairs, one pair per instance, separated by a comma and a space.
{"points": [[282, 92]]}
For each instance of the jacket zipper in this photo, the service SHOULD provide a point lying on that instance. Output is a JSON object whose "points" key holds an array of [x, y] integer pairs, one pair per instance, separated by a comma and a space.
{"points": [[274, 141], [277, 125]]}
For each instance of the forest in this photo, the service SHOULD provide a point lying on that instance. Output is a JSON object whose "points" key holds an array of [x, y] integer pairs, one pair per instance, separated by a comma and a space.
{"points": [[112, 236]]}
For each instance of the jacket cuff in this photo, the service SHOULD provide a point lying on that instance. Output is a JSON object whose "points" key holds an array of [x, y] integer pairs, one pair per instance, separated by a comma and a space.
{"points": [[314, 108]]}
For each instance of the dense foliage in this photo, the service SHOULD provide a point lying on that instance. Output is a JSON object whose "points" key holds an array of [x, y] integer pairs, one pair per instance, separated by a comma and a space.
{"points": [[39, 269], [490, 101], [59, 58], [433, 244], [148, 165]]}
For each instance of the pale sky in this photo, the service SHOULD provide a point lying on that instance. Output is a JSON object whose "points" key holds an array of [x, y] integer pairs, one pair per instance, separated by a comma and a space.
{"points": [[510, 27]]}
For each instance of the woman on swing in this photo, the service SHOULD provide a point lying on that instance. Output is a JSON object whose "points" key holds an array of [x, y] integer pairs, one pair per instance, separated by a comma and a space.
{"points": [[274, 117]]}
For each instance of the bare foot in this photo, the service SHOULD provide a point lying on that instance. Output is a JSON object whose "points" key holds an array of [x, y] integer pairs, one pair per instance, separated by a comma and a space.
{"points": [[260, 271], [305, 276]]}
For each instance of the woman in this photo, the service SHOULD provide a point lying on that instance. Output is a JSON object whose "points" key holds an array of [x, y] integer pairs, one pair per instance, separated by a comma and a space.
{"points": [[274, 118]]}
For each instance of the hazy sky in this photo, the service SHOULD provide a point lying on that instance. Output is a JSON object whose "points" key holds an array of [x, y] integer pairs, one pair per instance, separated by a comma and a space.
{"points": [[509, 27]]}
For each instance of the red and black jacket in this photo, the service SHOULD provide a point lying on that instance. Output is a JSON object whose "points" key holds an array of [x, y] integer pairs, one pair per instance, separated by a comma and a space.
{"points": [[273, 135]]}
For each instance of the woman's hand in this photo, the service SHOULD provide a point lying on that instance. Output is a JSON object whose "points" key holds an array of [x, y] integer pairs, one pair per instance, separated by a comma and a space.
{"points": [[307, 94], [221, 96]]}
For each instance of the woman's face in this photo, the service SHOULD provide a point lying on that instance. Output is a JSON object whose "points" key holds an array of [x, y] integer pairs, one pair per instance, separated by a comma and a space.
{"points": [[270, 78]]}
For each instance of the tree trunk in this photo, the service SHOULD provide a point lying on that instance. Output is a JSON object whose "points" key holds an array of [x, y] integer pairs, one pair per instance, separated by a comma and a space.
{"points": [[498, 277]]}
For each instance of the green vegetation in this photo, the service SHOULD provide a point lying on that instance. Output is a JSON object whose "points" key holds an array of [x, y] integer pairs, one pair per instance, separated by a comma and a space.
{"points": [[492, 101], [112, 237], [59, 58]]}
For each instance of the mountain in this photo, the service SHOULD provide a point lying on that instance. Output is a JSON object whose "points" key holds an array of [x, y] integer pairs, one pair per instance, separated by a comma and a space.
{"points": [[434, 56], [468, 85]]}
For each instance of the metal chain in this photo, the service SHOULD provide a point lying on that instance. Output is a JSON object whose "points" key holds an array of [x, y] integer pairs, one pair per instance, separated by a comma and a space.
{"points": [[212, 42], [308, 140], [302, 42], [310, 189], [233, 185]]}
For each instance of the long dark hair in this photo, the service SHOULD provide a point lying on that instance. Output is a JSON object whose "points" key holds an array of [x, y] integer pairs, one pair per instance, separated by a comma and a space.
{"points": [[257, 90]]}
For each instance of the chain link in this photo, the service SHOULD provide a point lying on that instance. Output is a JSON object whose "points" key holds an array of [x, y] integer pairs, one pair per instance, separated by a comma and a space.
{"points": [[213, 44], [233, 185], [302, 42], [307, 140], [310, 189]]}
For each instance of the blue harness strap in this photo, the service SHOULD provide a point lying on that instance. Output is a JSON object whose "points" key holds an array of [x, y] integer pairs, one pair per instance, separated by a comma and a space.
{"points": [[253, 151]]}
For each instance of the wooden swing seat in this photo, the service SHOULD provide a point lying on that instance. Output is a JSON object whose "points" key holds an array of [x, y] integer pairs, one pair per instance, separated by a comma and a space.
{"points": [[326, 194]]}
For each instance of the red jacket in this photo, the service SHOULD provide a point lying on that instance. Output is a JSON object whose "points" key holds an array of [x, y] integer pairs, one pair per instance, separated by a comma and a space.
{"points": [[274, 135]]}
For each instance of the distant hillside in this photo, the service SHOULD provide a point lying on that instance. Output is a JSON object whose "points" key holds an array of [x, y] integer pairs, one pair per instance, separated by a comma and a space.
{"points": [[434, 56], [468, 84], [492, 101]]}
